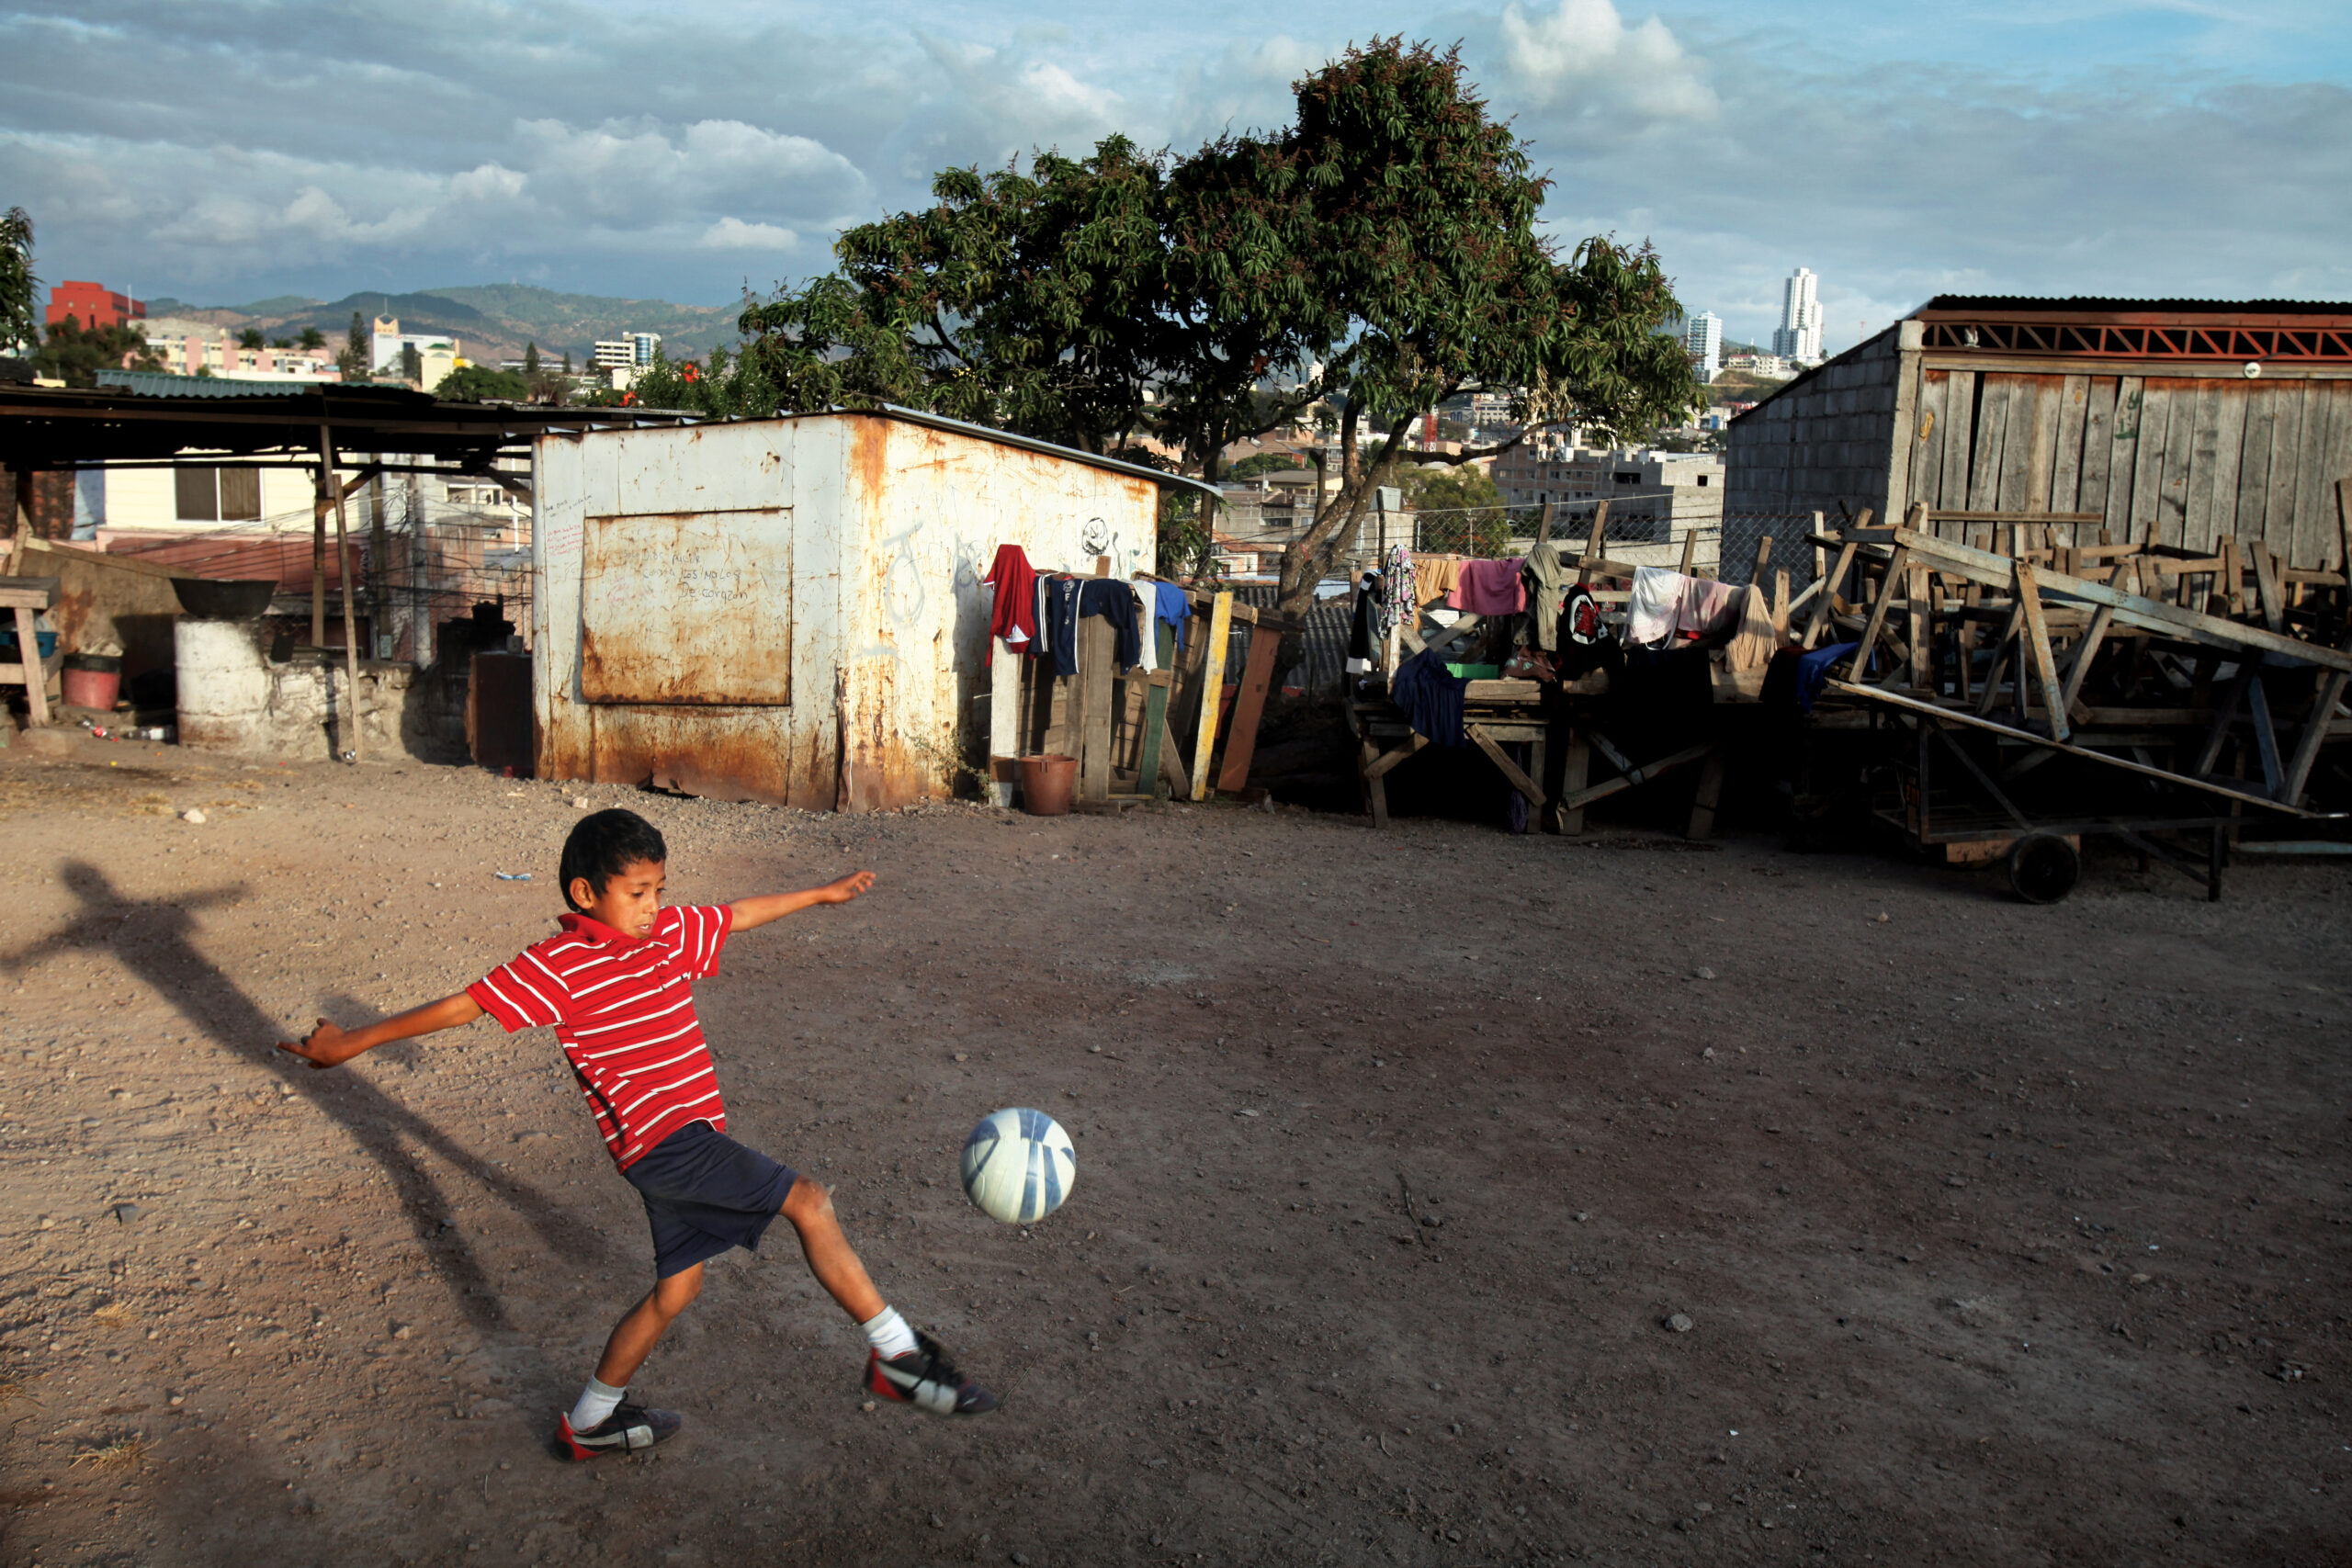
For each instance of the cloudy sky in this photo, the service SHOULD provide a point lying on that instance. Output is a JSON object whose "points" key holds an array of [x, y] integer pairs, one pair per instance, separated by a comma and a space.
{"points": [[222, 151]]}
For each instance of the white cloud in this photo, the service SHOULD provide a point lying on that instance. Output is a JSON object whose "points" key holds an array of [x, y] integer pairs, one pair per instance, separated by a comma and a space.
{"points": [[2106, 150], [1582, 58], [732, 233]]}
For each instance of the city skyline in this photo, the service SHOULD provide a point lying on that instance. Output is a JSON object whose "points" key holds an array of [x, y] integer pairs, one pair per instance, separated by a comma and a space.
{"points": [[2121, 147]]}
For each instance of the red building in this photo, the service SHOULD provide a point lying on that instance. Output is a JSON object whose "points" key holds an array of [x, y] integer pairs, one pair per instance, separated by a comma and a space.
{"points": [[93, 305]]}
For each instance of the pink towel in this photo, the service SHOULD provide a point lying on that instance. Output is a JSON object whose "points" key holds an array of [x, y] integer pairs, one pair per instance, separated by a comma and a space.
{"points": [[1489, 588], [1706, 606]]}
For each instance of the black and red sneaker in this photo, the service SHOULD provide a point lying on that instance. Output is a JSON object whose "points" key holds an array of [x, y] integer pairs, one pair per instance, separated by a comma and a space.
{"points": [[924, 1378], [630, 1429]]}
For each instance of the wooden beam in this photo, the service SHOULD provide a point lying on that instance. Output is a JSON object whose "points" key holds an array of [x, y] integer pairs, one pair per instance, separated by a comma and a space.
{"points": [[1513, 774], [1097, 670], [1172, 765], [1376, 793], [1896, 699], [1212, 691], [2266, 736], [30, 668], [343, 568], [2085, 652], [1155, 701], [1643, 774], [1919, 597], [1877, 623], [1827, 589], [2147, 614], [323, 483], [2036, 632], [1389, 762], [1446, 636], [2266, 586], [2299, 767], [1249, 707], [1575, 768], [2043, 517], [1710, 796], [1593, 544]]}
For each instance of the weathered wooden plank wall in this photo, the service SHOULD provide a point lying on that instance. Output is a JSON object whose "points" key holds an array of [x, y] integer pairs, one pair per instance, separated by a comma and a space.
{"points": [[2176, 459]]}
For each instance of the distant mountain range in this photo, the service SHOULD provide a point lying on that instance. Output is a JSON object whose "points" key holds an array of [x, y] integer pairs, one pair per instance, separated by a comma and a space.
{"points": [[491, 321]]}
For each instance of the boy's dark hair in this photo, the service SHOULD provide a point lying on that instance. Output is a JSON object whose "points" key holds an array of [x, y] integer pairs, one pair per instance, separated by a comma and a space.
{"points": [[602, 843]]}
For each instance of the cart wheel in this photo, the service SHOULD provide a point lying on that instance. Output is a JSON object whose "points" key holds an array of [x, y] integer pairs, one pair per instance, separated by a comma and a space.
{"points": [[2043, 868]]}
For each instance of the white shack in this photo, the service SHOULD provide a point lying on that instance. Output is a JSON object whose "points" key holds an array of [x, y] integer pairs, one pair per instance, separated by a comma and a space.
{"points": [[793, 610]]}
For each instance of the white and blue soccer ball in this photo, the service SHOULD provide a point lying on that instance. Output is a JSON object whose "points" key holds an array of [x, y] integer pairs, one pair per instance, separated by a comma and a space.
{"points": [[1018, 1165]]}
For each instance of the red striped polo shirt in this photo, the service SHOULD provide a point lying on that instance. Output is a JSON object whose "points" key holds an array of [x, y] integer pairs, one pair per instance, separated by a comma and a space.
{"points": [[623, 1012]]}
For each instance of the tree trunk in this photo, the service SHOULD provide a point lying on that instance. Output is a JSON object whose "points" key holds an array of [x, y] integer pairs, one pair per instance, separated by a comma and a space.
{"points": [[1307, 559]]}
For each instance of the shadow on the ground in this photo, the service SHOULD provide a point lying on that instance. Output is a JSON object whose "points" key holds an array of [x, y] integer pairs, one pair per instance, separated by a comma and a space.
{"points": [[156, 940]]}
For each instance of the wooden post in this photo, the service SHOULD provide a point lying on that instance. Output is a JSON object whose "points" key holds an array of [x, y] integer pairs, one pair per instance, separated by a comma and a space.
{"points": [[1097, 659], [2307, 745], [1593, 544], [319, 547], [1576, 770], [1690, 549], [1544, 526], [342, 563], [1248, 707], [1824, 611], [2344, 533], [1005, 663], [2085, 652], [380, 548], [1920, 591], [24, 600], [2265, 585], [2045, 667], [1710, 796], [23, 512], [1879, 607], [1155, 704], [1212, 691]]}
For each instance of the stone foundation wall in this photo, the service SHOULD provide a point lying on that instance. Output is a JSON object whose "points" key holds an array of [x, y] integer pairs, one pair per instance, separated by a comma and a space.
{"points": [[233, 698]]}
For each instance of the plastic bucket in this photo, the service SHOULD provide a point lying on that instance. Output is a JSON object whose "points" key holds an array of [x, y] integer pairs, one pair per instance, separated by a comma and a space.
{"points": [[88, 687], [1048, 783]]}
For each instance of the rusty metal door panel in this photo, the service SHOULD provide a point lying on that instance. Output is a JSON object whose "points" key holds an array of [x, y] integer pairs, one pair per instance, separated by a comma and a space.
{"points": [[692, 608], [775, 756]]}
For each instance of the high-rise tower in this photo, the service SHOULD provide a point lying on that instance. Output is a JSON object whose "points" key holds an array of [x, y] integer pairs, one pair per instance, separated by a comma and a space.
{"points": [[1799, 334]]}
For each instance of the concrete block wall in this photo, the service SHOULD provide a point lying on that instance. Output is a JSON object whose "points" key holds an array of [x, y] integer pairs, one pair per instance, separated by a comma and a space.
{"points": [[1823, 440]]}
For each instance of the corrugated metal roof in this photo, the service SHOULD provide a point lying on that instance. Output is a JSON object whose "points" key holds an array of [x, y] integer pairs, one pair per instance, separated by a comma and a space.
{"points": [[2088, 305], [1031, 444], [164, 384]]}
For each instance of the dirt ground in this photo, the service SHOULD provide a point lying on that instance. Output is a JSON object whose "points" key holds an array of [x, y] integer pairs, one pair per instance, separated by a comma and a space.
{"points": [[2003, 1234]]}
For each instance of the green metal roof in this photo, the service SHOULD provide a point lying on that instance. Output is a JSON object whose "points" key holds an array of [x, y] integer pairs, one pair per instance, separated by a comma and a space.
{"points": [[163, 384]]}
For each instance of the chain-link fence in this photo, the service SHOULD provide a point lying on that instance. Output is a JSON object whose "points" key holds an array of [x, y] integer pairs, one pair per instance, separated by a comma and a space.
{"points": [[1741, 535]]}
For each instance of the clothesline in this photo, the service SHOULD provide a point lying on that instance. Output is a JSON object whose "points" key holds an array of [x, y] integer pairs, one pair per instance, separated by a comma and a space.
{"points": [[1037, 613]]}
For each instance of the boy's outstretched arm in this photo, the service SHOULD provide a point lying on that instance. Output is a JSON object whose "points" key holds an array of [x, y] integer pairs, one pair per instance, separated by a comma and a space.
{"points": [[759, 912], [328, 1046]]}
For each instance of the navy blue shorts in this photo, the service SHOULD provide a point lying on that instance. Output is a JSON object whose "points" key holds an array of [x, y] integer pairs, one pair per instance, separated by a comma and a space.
{"points": [[704, 1193]]}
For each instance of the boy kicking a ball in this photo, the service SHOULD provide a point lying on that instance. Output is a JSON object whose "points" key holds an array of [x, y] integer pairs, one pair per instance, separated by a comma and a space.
{"points": [[616, 986]]}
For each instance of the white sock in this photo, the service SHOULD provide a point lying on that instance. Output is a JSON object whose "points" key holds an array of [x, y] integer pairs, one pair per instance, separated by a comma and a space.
{"points": [[887, 1333], [597, 1402]]}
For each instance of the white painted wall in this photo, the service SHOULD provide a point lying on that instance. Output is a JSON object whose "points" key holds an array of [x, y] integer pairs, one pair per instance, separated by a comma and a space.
{"points": [[893, 523]]}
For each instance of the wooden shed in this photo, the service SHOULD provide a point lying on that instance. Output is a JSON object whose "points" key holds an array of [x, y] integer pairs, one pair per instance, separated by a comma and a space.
{"points": [[792, 610], [2174, 423]]}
